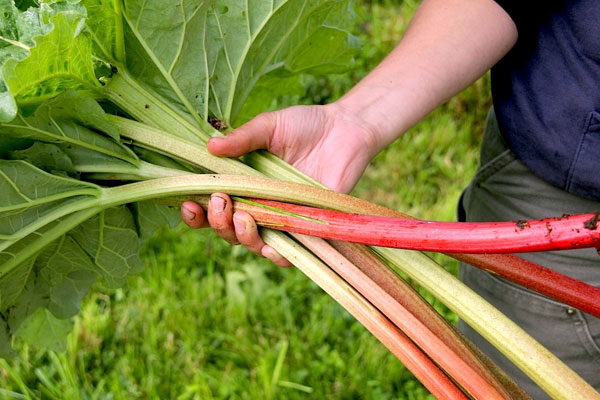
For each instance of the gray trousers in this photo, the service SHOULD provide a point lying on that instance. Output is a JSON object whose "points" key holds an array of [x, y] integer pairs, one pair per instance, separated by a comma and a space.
{"points": [[504, 189]]}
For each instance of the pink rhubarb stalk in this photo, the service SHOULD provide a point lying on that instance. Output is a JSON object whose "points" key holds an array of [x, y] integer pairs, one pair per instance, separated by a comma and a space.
{"points": [[413, 358], [407, 297], [471, 377]]}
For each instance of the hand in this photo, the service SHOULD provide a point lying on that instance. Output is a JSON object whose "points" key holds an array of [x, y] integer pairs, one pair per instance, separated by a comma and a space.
{"points": [[327, 143]]}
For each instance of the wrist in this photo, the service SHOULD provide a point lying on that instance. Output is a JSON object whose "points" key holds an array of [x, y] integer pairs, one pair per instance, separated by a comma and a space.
{"points": [[366, 134]]}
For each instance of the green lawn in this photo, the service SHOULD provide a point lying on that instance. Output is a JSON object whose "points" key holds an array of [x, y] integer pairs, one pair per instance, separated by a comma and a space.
{"points": [[207, 321]]}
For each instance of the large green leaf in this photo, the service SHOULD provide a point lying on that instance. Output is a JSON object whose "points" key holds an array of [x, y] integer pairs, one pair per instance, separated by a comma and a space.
{"points": [[151, 216], [73, 120], [111, 241], [47, 157], [205, 57], [68, 272], [23, 186], [105, 25], [17, 31], [59, 263], [31, 198], [12, 285], [60, 60], [16, 224], [208, 56], [45, 330]]}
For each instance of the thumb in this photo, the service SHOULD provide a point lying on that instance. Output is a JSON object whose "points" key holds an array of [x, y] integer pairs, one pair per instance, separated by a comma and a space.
{"points": [[253, 135]]}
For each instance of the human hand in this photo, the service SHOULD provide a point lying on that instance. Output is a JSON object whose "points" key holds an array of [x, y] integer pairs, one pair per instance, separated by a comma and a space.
{"points": [[327, 143]]}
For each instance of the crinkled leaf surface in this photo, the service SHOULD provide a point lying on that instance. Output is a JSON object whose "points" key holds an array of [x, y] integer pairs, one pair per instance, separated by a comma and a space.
{"points": [[105, 26], [46, 330], [110, 240], [57, 276], [207, 56], [74, 120], [151, 216], [60, 60], [17, 30], [68, 272], [47, 157], [23, 186], [12, 285]]}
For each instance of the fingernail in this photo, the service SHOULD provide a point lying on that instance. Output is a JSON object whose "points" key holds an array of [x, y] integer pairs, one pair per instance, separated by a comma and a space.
{"points": [[187, 214], [217, 204], [239, 224]]}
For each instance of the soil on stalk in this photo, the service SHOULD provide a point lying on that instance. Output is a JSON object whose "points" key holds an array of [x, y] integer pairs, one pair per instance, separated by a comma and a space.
{"points": [[592, 223]]}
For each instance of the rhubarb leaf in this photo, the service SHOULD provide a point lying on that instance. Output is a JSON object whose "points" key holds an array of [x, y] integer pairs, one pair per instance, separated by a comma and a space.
{"points": [[6, 350], [47, 157], [69, 274], [110, 239], [17, 30], [17, 224], [60, 60], [208, 56], [12, 285], [32, 199], [105, 25], [24, 186], [151, 216], [71, 119], [61, 262], [86, 160], [45, 330]]}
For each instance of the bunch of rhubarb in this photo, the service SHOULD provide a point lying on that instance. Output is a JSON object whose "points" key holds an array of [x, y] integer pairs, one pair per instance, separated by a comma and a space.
{"points": [[105, 110]]}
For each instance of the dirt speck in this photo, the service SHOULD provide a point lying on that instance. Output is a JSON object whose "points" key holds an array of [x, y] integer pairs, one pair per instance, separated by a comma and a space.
{"points": [[592, 223], [549, 231], [217, 123], [522, 224]]}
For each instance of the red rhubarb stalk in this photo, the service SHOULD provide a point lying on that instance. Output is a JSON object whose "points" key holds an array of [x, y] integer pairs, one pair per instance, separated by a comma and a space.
{"points": [[566, 233]]}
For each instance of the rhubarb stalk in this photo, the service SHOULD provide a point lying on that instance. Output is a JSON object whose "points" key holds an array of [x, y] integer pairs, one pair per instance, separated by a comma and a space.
{"points": [[565, 233], [471, 379], [410, 355]]}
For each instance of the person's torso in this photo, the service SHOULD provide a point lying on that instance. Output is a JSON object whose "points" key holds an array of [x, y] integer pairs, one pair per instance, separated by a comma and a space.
{"points": [[546, 93]]}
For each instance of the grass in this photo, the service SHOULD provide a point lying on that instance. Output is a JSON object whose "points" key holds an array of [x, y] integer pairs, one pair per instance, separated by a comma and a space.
{"points": [[207, 321]]}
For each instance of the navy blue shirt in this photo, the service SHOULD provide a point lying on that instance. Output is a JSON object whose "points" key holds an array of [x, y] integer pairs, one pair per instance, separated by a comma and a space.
{"points": [[546, 92]]}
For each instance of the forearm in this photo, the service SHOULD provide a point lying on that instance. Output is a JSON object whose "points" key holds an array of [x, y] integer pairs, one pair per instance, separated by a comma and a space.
{"points": [[448, 45]]}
